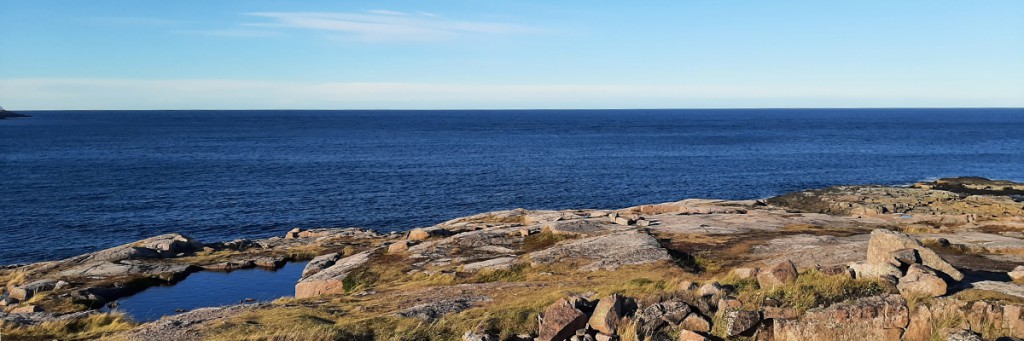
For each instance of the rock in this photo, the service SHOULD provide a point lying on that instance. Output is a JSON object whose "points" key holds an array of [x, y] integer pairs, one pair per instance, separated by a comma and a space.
{"points": [[319, 263], [608, 251], [654, 318], [293, 233], [624, 221], [170, 272], [870, 318], [741, 321], [921, 280], [560, 321], [432, 311], [963, 335], [331, 279], [472, 336], [230, 265], [728, 304], [643, 223], [418, 234], [501, 263], [744, 273], [710, 289], [269, 262], [883, 242], [697, 323], [866, 270], [782, 273], [607, 314], [904, 257], [25, 292], [780, 313], [686, 335], [580, 228], [398, 247], [170, 245], [1017, 274], [605, 337], [28, 309], [687, 285], [835, 270]]}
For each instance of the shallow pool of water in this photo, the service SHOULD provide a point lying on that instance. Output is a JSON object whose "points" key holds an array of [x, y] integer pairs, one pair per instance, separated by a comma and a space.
{"points": [[210, 288]]}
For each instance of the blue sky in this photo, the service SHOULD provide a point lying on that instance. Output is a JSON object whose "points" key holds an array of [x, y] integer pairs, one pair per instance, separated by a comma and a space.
{"points": [[260, 54]]}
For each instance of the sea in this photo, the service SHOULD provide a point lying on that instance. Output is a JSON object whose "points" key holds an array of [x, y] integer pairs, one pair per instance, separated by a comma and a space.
{"points": [[78, 181]]}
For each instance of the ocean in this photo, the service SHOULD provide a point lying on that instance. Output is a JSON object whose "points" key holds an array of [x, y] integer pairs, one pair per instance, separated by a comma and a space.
{"points": [[78, 181]]}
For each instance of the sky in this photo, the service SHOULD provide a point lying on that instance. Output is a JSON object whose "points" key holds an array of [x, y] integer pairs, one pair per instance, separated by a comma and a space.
{"points": [[489, 54]]}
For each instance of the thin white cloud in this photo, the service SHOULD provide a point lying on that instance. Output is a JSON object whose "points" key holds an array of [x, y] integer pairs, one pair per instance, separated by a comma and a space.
{"points": [[383, 25], [84, 93]]}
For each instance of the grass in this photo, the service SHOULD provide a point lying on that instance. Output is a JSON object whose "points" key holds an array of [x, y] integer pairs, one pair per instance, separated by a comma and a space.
{"points": [[12, 277], [88, 327], [810, 290], [542, 240]]}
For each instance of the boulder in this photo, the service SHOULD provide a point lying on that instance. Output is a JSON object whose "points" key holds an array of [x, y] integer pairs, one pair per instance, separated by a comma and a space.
{"points": [[651, 320], [170, 245], [921, 280], [870, 318], [229, 265], [319, 263], [434, 310], [560, 321], [170, 272], [963, 335], [500, 263], [904, 257], [605, 337], [779, 313], [418, 234], [24, 292], [710, 289], [473, 336], [269, 262], [744, 273], [868, 270], [687, 285], [884, 242], [293, 233], [1017, 274], [741, 322], [686, 335], [643, 223], [697, 323], [398, 247], [782, 273], [331, 280], [607, 314]]}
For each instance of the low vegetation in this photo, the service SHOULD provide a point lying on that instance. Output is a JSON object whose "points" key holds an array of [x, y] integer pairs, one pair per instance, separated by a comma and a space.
{"points": [[810, 290], [84, 328]]}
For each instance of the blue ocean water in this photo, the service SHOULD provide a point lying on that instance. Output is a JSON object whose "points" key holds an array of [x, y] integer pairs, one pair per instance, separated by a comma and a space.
{"points": [[78, 181]]}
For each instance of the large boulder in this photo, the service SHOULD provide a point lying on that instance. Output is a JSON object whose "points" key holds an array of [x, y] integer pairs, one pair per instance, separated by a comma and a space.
{"points": [[782, 273], [331, 280], [24, 292], [741, 322], [560, 321], [869, 318], [921, 280], [686, 335], [651, 321], [607, 314], [884, 242], [319, 263]]}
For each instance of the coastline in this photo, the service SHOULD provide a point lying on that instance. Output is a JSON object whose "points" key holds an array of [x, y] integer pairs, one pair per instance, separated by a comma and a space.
{"points": [[716, 258]]}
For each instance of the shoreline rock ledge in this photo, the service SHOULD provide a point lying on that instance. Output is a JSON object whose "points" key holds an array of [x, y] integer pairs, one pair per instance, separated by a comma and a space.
{"points": [[940, 260]]}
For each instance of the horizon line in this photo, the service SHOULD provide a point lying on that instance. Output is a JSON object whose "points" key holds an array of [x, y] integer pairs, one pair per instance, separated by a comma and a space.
{"points": [[541, 109]]}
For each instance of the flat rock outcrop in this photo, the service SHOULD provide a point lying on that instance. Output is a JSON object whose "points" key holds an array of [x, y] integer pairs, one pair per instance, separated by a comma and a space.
{"points": [[608, 251], [331, 279]]}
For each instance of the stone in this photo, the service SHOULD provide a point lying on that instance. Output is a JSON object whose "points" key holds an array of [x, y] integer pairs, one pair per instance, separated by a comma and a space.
{"points": [[867, 270], [963, 335], [643, 223], [331, 279], [686, 335], [881, 317], [883, 242], [904, 257], [434, 310], [293, 233], [609, 251], [472, 336], [835, 270], [605, 337], [687, 285], [1017, 274], [741, 321], [560, 321], [418, 234], [319, 263], [269, 262], [651, 320], [607, 314], [580, 228], [28, 309], [501, 263], [624, 221], [697, 323], [744, 273], [710, 289], [170, 245], [170, 272], [780, 313], [782, 273], [921, 280], [398, 247], [24, 292], [729, 304]]}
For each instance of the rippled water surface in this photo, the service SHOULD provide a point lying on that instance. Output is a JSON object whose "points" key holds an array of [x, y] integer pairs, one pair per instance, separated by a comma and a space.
{"points": [[78, 181]]}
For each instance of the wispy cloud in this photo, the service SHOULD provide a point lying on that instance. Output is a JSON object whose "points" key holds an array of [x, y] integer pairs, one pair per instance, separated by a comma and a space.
{"points": [[384, 25]]}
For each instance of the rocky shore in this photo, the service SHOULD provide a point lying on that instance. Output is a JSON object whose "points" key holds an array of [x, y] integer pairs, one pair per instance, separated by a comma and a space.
{"points": [[940, 260], [10, 114]]}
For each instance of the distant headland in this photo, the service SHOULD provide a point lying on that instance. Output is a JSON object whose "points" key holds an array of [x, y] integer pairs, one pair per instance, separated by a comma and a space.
{"points": [[10, 114]]}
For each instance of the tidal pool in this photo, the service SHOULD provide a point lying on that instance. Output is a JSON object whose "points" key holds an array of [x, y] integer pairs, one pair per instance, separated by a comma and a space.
{"points": [[210, 289]]}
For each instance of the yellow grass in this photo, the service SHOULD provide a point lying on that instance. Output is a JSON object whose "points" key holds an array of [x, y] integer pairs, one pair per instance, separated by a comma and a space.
{"points": [[89, 327]]}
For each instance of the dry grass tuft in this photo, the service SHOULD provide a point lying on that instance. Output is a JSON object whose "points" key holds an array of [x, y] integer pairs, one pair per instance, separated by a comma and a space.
{"points": [[543, 240], [89, 327], [811, 289]]}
